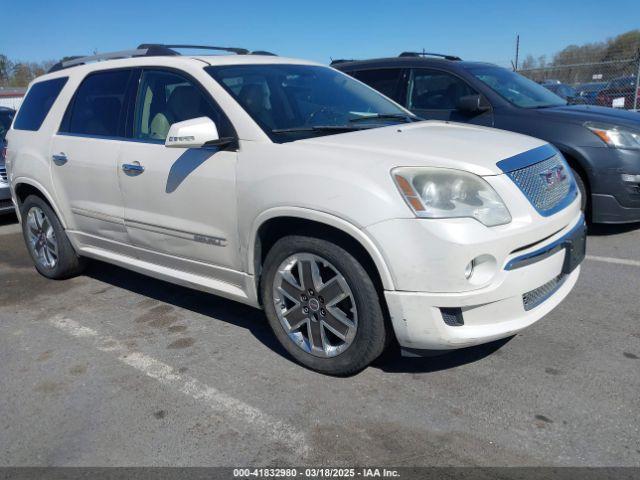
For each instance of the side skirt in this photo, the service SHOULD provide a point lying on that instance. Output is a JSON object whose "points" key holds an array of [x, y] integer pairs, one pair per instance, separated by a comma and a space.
{"points": [[231, 284]]}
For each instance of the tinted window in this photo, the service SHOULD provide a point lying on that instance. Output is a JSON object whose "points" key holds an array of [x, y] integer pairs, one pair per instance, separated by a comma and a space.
{"points": [[98, 105], [5, 122], [291, 102], [37, 104], [387, 81], [165, 98], [434, 90], [515, 88]]}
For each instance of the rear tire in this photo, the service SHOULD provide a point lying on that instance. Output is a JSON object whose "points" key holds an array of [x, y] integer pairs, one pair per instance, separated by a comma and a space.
{"points": [[322, 289], [47, 243]]}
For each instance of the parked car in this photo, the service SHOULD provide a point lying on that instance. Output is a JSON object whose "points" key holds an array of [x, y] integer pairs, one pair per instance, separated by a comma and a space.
{"points": [[602, 145], [290, 186], [589, 91], [566, 92], [6, 205], [619, 93]]}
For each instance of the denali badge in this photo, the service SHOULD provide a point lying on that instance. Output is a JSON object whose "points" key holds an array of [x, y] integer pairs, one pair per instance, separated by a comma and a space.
{"points": [[215, 241], [554, 175]]}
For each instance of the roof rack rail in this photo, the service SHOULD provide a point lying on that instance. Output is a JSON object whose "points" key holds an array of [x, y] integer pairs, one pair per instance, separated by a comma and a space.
{"points": [[78, 60], [341, 60], [263, 52], [428, 54], [147, 50], [162, 49]]}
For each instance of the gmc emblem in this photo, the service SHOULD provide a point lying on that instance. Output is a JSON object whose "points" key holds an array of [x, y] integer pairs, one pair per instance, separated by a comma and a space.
{"points": [[553, 175]]}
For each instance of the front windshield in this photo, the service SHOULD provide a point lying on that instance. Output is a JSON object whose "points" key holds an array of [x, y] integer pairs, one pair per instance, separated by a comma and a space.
{"points": [[292, 102], [516, 89]]}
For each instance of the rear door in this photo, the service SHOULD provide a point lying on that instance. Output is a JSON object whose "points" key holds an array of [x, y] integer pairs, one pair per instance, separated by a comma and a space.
{"points": [[391, 82], [85, 153], [433, 94], [180, 203]]}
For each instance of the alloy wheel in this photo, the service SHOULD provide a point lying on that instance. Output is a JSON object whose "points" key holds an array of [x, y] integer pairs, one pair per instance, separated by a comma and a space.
{"points": [[315, 305], [42, 238]]}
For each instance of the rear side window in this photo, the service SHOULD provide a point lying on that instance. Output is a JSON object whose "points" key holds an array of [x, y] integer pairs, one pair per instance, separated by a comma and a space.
{"points": [[387, 81], [436, 90], [99, 104], [37, 104]]}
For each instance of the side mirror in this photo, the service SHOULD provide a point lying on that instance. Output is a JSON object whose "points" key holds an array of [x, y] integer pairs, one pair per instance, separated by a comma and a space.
{"points": [[195, 133], [473, 104]]}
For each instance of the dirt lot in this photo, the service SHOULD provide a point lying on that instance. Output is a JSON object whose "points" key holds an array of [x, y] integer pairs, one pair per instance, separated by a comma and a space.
{"points": [[113, 368]]}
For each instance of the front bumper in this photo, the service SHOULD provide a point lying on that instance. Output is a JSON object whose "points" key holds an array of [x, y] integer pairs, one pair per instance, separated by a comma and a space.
{"points": [[612, 200], [418, 321], [607, 209], [527, 284]]}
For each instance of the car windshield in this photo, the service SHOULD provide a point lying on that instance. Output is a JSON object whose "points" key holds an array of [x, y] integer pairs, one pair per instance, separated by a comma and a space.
{"points": [[591, 87], [516, 89], [292, 102], [5, 123], [622, 82]]}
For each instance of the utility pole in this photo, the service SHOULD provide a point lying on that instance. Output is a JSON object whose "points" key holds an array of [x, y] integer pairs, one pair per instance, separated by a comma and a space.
{"points": [[517, 50], [636, 97]]}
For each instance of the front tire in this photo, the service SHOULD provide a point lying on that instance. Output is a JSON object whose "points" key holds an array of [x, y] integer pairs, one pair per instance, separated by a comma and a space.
{"points": [[47, 243], [582, 187], [322, 305]]}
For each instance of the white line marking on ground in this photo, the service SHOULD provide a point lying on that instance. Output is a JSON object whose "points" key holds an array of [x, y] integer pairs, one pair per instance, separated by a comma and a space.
{"points": [[10, 229], [167, 375], [618, 261]]}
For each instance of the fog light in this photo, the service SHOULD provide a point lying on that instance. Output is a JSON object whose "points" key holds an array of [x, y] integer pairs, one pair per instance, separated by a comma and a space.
{"points": [[630, 178], [468, 270]]}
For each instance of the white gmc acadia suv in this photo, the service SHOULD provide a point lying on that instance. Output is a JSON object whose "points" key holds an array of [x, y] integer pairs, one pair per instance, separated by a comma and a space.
{"points": [[292, 187]]}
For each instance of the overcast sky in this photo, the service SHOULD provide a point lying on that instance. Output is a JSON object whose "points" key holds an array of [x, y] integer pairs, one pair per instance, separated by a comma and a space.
{"points": [[317, 30]]}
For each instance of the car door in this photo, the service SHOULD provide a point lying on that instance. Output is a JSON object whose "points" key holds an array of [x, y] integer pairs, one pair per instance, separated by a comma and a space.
{"points": [[84, 156], [433, 94], [180, 203], [388, 81]]}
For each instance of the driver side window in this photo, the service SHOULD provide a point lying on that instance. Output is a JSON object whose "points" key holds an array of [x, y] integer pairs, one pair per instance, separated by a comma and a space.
{"points": [[165, 98], [436, 90]]}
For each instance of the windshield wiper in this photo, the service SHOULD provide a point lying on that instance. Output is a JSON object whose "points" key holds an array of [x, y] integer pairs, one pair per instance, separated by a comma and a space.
{"points": [[315, 128], [384, 116]]}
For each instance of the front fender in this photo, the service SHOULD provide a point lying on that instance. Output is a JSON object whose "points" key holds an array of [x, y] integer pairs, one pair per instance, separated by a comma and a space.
{"points": [[325, 218]]}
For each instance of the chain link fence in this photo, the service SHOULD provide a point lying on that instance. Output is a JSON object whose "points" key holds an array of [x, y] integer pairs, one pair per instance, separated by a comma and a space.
{"points": [[611, 83]]}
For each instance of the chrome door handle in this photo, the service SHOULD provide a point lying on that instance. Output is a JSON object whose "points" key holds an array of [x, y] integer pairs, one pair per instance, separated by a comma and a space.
{"points": [[59, 158], [132, 168]]}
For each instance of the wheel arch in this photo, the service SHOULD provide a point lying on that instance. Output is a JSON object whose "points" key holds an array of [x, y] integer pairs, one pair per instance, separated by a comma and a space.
{"points": [[23, 187], [577, 162], [277, 223]]}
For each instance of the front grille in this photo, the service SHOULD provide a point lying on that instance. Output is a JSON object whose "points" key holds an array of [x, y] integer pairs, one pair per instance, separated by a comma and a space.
{"points": [[545, 184], [5, 204], [3, 174], [535, 297]]}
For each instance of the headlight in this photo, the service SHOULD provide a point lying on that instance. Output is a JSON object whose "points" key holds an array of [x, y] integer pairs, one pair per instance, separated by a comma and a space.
{"points": [[445, 193], [617, 137]]}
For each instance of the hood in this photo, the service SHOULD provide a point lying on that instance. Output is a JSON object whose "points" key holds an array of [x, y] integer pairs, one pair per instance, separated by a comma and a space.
{"points": [[432, 144], [590, 113]]}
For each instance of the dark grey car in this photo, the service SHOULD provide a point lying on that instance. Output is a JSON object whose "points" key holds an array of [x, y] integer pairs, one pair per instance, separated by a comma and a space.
{"points": [[602, 145]]}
